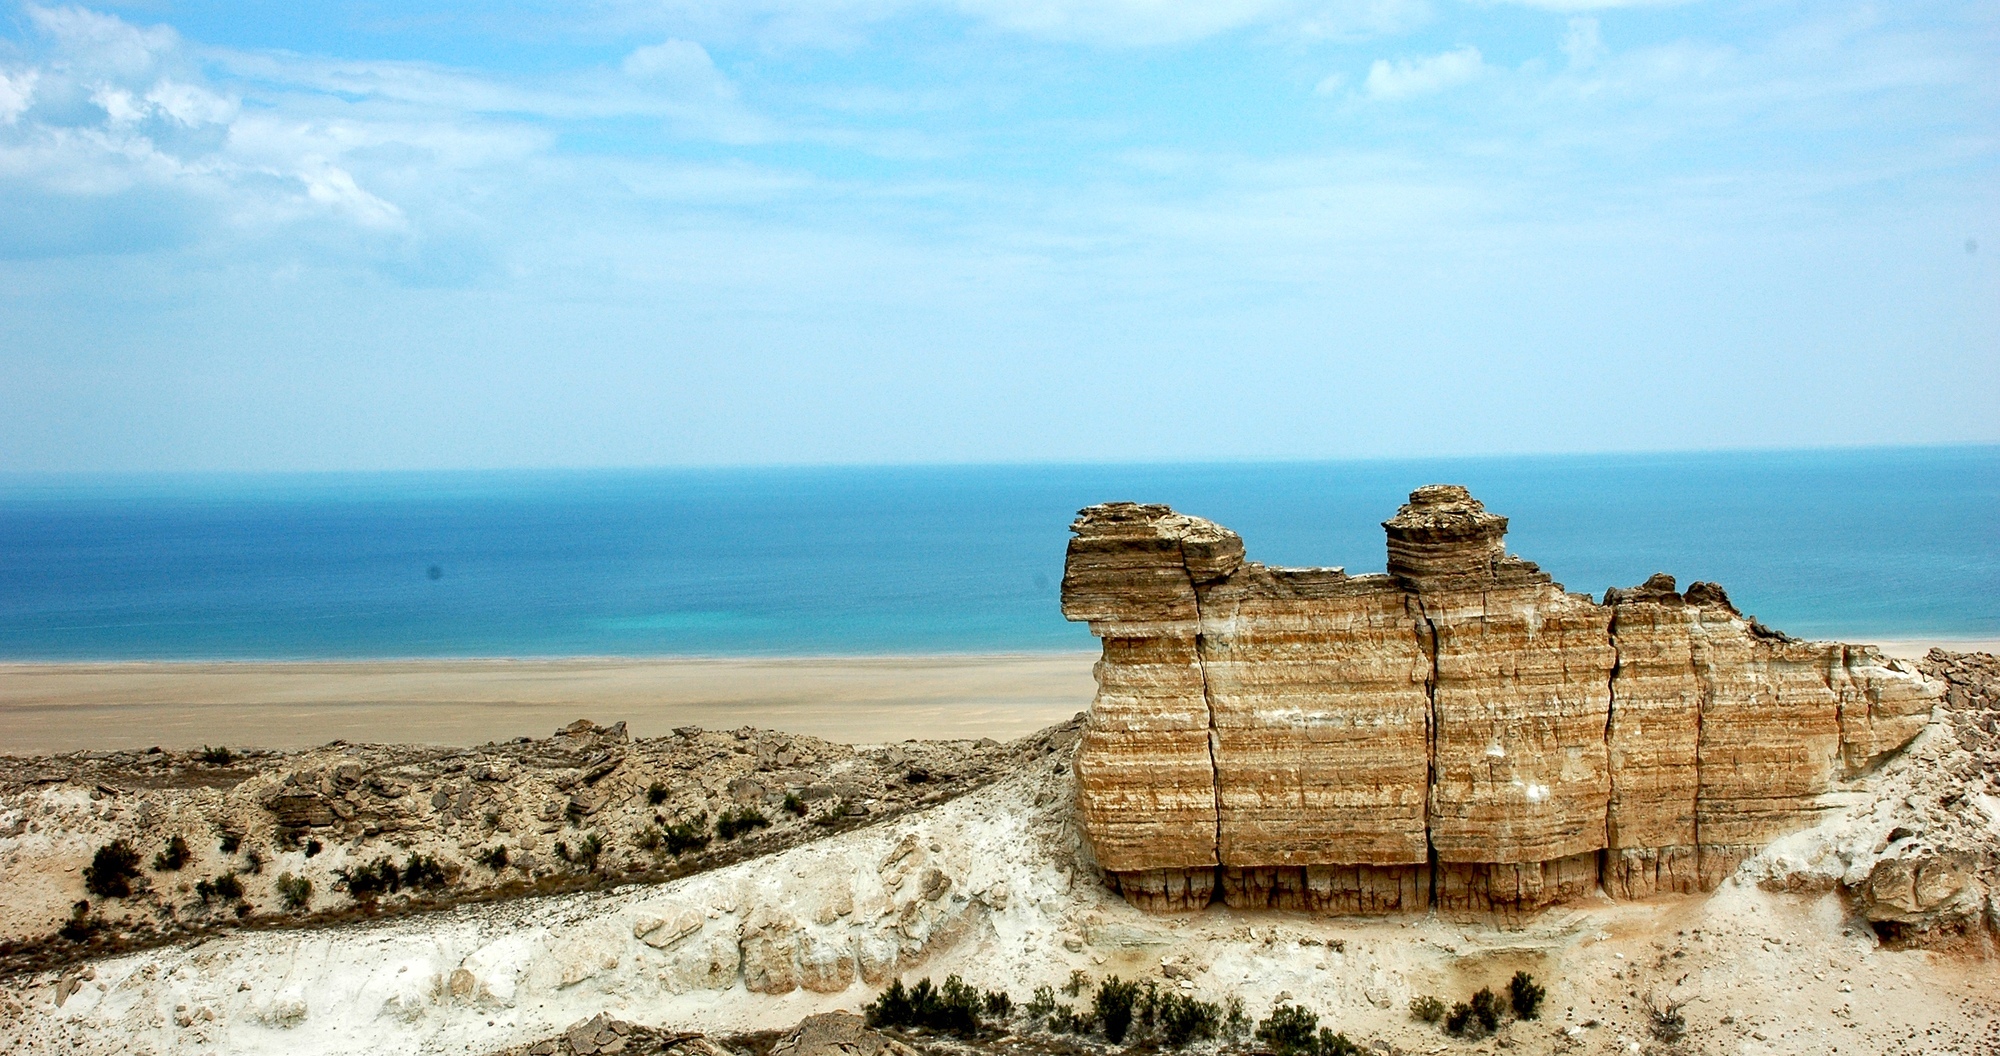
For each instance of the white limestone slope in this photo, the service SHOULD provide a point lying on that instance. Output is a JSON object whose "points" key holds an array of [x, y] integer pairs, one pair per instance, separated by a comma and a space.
{"points": [[736, 948]]}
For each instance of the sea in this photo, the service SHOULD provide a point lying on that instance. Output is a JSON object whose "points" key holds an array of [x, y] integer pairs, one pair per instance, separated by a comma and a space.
{"points": [[1856, 544]]}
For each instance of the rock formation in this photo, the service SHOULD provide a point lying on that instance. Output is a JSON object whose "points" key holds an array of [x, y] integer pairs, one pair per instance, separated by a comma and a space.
{"points": [[1459, 732]]}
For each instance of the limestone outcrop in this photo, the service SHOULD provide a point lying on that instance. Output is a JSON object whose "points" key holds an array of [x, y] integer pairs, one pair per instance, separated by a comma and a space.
{"points": [[1460, 732]]}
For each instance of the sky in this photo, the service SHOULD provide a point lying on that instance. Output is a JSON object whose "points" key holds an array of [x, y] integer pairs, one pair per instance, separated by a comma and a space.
{"points": [[241, 235]]}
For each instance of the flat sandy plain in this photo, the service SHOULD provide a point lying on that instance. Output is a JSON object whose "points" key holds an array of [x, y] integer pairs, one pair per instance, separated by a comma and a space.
{"points": [[861, 700]]}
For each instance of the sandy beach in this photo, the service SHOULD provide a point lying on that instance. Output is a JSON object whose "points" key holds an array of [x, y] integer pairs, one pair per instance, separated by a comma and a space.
{"points": [[66, 706], [61, 707]]}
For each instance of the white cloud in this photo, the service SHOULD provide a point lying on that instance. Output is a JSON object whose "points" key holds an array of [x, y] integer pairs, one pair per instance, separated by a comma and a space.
{"points": [[1111, 23], [334, 187], [1583, 43], [1593, 5], [1330, 84], [679, 60], [1406, 78], [17, 91]]}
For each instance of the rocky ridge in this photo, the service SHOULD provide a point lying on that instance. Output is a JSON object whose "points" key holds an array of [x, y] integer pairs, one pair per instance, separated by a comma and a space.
{"points": [[1460, 732], [279, 839]]}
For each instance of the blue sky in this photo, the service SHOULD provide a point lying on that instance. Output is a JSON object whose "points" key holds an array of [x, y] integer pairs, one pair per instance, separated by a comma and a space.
{"points": [[420, 235]]}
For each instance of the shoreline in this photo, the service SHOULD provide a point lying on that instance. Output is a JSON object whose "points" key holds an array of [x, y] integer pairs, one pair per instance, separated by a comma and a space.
{"points": [[58, 706]]}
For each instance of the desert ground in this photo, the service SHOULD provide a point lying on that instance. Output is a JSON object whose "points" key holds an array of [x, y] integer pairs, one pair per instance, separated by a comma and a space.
{"points": [[902, 860], [857, 700], [59, 707]]}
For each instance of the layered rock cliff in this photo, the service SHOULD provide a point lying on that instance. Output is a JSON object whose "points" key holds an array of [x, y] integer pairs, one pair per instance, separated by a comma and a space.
{"points": [[1459, 732]]}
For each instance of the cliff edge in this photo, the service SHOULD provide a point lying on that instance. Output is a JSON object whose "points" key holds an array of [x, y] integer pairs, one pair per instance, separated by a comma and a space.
{"points": [[1459, 733]]}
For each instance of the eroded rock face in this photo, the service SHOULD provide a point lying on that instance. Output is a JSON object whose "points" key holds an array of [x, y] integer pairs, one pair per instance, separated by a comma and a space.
{"points": [[1460, 732]]}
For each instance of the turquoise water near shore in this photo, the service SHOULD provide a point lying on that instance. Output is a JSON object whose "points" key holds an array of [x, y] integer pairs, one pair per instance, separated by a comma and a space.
{"points": [[1881, 543]]}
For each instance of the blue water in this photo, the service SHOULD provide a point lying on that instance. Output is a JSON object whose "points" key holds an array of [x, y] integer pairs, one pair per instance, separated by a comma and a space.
{"points": [[1870, 543]]}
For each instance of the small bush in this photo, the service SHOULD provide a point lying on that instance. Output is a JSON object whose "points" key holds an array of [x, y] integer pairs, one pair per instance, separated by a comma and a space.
{"points": [[225, 887], [588, 851], [1066, 1020], [685, 836], [648, 839], [1426, 1009], [953, 1008], [1112, 1007], [494, 858], [216, 756], [656, 794], [253, 862], [795, 805], [1184, 1020], [423, 872], [231, 841], [1236, 1023], [998, 1004], [1525, 996], [297, 891], [367, 881], [112, 870], [313, 847], [79, 926], [1042, 1004], [1077, 982], [1668, 1023], [1461, 1023], [1487, 1008], [1289, 1031], [734, 823], [171, 857]]}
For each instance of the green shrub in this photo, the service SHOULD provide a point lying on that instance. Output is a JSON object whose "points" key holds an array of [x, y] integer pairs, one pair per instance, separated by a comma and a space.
{"points": [[1112, 1008], [172, 856], [1043, 1004], [588, 851], [253, 862], [231, 841], [656, 794], [1184, 1020], [423, 872], [1426, 1009], [685, 836], [216, 756], [734, 823], [79, 927], [112, 870], [648, 839], [494, 857], [1077, 982], [795, 805], [1487, 1008], [313, 847], [1289, 1031], [1330, 1044], [225, 887], [1461, 1023], [371, 879], [1236, 1023], [998, 1004], [295, 890], [953, 1008], [1525, 996]]}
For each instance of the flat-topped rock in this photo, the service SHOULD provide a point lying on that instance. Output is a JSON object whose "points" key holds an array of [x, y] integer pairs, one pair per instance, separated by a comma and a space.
{"points": [[1460, 732]]}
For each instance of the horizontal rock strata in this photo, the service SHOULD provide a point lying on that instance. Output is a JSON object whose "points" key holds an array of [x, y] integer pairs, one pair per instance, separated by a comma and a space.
{"points": [[1460, 732]]}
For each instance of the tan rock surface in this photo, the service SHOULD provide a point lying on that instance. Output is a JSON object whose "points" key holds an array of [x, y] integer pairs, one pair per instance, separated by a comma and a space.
{"points": [[1460, 732]]}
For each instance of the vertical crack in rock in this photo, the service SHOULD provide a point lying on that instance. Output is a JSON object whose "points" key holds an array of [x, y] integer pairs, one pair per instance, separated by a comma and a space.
{"points": [[1604, 863], [1257, 728], [1426, 632], [1208, 702]]}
